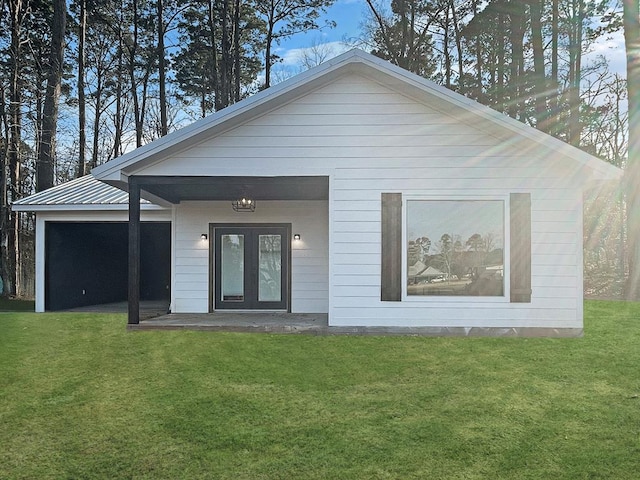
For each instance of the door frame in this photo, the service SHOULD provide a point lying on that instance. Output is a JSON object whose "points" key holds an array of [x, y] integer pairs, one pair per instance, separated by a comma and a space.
{"points": [[213, 266]]}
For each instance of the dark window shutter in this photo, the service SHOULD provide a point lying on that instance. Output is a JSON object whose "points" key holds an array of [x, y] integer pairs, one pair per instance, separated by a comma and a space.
{"points": [[391, 271], [520, 222]]}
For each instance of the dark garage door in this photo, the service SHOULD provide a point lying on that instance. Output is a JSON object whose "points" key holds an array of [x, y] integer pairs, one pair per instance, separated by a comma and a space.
{"points": [[86, 263]]}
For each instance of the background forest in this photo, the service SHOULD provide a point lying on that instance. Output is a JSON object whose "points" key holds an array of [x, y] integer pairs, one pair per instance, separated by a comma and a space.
{"points": [[83, 81]]}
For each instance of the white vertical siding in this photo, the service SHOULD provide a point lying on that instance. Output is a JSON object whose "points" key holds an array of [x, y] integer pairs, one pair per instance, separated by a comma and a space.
{"points": [[309, 255]]}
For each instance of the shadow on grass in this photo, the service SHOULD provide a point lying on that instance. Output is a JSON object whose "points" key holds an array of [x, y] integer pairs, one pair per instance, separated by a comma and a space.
{"points": [[15, 305]]}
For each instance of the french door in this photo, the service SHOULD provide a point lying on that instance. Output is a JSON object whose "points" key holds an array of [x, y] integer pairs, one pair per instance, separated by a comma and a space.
{"points": [[251, 264]]}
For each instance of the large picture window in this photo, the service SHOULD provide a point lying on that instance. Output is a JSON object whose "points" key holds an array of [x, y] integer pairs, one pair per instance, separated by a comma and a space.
{"points": [[455, 247]]}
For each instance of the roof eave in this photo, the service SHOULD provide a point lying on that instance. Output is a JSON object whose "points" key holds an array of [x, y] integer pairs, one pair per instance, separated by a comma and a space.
{"points": [[83, 208]]}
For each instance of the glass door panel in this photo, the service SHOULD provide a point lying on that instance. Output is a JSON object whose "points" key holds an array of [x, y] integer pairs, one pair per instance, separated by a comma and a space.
{"points": [[270, 268], [232, 268], [251, 266]]}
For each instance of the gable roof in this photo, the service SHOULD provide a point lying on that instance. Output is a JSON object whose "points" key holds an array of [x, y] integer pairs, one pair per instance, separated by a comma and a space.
{"points": [[353, 61], [84, 193]]}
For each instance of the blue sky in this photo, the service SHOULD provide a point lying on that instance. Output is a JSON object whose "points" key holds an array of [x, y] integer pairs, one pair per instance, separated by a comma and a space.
{"points": [[456, 218], [348, 15]]}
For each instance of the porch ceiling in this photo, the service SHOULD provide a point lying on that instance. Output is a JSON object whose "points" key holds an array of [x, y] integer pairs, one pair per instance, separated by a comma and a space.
{"points": [[179, 189]]}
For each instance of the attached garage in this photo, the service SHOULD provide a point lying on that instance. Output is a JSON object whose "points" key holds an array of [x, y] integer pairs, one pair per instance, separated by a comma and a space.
{"points": [[81, 246], [86, 263]]}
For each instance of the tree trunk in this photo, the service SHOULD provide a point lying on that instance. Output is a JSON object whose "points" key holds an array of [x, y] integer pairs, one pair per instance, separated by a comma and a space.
{"points": [[539, 90], [478, 54], [225, 71], [5, 207], [445, 46], [82, 28], [555, 100], [132, 74], [46, 155], [458, 38], [215, 83], [10, 233], [517, 58], [97, 117], [632, 177], [144, 97], [267, 62], [236, 49], [500, 68], [575, 71], [162, 71], [117, 136]]}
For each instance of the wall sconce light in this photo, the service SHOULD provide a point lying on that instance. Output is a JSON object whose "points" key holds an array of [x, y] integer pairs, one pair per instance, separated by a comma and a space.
{"points": [[296, 236], [244, 204], [204, 236]]}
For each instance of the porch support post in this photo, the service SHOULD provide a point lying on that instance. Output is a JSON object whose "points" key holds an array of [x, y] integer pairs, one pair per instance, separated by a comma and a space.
{"points": [[134, 252]]}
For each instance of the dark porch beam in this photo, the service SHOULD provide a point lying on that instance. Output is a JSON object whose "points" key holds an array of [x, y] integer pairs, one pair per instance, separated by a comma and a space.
{"points": [[175, 189], [236, 180], [134, 252]]}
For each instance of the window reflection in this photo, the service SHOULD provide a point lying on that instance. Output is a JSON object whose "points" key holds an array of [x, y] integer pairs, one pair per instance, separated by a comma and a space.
{"points": [[455, 247], [270, 266], [232, 268]]}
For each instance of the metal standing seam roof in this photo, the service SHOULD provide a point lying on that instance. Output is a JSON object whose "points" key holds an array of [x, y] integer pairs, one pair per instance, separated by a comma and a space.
{"points": [[83, 192]]}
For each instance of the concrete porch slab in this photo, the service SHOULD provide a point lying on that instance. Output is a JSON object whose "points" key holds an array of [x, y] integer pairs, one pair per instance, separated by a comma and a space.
{"points": [[317, 324], [259, 322]]}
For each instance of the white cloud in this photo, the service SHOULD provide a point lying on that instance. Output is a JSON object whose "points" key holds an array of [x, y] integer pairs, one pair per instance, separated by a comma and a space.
{"points": [[612, 49], [328, 50]]}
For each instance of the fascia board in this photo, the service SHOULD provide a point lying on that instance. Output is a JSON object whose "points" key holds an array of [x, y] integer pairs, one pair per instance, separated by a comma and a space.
{"points": [[84, 208]]}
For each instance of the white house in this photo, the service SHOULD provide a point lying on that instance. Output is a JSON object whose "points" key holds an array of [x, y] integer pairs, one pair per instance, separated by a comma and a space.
{"points": [[357, 172]]}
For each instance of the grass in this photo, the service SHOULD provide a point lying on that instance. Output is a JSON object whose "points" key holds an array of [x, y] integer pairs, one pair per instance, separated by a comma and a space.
{"points": [[16, 305], [80, 397]]}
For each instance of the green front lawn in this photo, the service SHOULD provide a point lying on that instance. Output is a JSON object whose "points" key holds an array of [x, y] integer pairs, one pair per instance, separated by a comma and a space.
{"points": [[80, 397]]}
